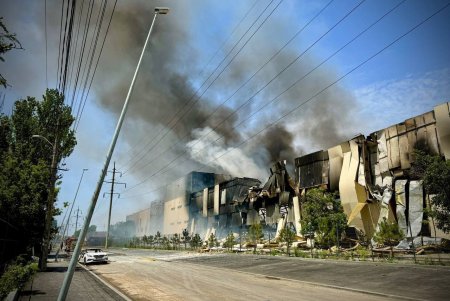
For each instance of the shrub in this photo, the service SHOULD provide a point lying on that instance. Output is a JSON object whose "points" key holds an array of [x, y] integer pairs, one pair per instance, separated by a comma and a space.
{"points": [[16, 276], [274, 252], [299, 253], [389, 234], [363, 253], [322, 254]]}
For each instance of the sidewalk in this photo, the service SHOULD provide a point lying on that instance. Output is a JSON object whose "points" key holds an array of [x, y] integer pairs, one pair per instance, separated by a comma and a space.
{"points": [[84, 286]]}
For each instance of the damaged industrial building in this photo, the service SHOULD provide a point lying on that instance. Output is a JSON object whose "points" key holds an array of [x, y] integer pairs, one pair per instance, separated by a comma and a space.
{"points": [[371, 174]]}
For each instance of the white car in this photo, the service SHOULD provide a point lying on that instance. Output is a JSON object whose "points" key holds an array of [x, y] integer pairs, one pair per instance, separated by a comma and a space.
{"points": [[93, 255]]}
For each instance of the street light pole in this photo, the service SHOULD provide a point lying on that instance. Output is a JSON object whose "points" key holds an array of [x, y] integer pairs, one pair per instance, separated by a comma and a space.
{"points": [[73, 261], [50, 200]]}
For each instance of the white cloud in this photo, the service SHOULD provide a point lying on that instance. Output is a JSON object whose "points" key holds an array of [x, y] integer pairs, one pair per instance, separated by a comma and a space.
{"points": [[391, 101]]}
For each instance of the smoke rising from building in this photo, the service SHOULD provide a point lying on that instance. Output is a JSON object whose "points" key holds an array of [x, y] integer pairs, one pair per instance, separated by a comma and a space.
{"points": [[170, 76]]}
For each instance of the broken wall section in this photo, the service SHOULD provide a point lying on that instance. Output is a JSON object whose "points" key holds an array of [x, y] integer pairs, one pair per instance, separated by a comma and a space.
{"points": [[365, 170]]}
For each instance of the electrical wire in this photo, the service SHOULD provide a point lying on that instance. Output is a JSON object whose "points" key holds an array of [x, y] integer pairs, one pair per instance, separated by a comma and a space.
{"points": [[269, 82], [46, 44], [188, 105], [59, 47], [200, 74], [96, 65], [291, 111], [87, 22]]}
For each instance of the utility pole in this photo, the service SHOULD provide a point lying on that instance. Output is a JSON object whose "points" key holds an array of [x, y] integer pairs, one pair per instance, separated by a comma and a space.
{"points": [[111, 195], [73, 261], [76, 221]]}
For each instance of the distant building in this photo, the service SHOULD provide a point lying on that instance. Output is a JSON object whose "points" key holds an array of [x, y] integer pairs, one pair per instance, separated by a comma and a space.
{"points": [[141, 220], [199, 202]]}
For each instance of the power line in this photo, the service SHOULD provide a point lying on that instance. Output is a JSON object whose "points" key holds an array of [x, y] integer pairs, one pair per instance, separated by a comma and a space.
{"points": [[200, 74], [59, 47], [92, 50], [271, 80], [291, 111], [257, 92], [111, 195], [96, 65], [74, 53], [46, 56], [87, 24], [69, 41], [230, 35], [190, 106], [61, 64]]}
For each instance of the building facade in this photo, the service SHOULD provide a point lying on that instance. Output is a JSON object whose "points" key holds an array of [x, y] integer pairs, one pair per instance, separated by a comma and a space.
{"points": [[371, 173]]}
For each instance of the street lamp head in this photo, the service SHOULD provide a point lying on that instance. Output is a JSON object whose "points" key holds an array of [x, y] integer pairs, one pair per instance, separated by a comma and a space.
{"points": [[162, 10], [42, 138]]}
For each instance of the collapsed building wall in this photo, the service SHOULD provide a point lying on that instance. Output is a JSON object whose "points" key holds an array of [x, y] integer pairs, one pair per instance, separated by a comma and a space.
{"points": [[177, 201], [372, 173], [223, 207]]}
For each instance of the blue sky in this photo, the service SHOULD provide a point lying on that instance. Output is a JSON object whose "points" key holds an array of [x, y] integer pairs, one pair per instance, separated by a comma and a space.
{"points": [[407, 79]]}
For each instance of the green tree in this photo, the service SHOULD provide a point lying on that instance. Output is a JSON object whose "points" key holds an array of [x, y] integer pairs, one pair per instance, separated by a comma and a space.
{"points": [[27, 181], [151, 240], [158, 238], [196, 241], [145, 240], [230, 241], [323, 215], [255, 234], [288, 236], [435, 173], [8, 41], [212, 240], [388, 234], [176, 241], [186, 238], [165, 242]]}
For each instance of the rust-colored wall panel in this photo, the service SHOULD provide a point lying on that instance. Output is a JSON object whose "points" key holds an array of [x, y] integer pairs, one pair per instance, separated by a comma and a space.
{"points": [[404, 152], [393, 153]]}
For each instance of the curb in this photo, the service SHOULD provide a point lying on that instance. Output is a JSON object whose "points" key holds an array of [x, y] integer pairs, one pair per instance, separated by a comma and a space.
{"points": [[13, 295], [125, 297]]}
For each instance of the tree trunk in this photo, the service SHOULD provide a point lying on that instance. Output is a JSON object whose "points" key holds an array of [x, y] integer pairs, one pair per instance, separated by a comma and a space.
{"points": [[49, 209]]}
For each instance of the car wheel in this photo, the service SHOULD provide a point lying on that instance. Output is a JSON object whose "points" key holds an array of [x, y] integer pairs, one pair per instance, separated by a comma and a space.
{"points": [[84, 261]]}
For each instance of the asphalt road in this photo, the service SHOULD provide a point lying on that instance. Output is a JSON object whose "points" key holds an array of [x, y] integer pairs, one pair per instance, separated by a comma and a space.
{"points": [[160, 275]]}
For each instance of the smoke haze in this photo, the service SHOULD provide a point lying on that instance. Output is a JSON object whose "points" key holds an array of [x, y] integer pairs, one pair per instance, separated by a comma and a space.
{"points": [[171, 74]]}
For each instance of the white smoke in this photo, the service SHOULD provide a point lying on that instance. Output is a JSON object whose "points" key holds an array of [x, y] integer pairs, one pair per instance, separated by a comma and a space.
{"points": [[212, 151]]}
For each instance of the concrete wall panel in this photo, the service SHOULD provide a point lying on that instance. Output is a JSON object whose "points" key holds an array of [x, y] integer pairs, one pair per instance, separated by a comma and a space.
{"points": [[216, 199], [400, 200], [442, 113], [415, 210]]}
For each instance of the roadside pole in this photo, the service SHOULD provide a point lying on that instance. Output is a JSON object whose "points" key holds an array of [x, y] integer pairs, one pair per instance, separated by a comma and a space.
{"points": [[73, 261]]}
